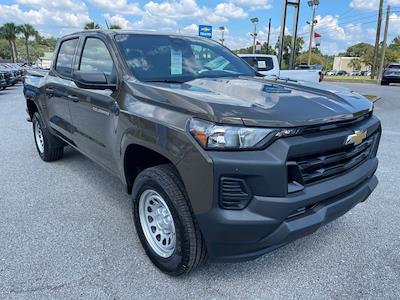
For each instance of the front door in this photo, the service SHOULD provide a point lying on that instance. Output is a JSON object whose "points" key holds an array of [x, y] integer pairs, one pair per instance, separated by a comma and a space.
{"points": [[95, 112]]}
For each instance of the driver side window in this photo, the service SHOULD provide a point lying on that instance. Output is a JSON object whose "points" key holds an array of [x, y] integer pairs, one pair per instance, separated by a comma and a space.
{"points": [[96, 57]]}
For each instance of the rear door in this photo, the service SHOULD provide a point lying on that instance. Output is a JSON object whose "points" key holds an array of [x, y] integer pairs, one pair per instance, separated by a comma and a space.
{"points": [[95, 112], [56, 89]]}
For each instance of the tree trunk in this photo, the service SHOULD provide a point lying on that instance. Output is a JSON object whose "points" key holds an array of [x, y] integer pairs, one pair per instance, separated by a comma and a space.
{"points": [[12, 50], [15, 51], [27, 50]]}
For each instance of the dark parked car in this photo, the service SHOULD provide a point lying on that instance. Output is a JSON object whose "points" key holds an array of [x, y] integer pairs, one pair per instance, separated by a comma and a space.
{"points": [[391, 74], [222, 165], [341, 73]]}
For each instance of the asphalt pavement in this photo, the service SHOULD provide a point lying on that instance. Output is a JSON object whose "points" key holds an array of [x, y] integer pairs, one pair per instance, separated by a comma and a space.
{"points": [[66, 232]]}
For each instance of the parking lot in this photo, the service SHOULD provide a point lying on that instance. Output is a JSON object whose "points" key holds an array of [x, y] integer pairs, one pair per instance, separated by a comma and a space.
{"points": [[66, 232]]}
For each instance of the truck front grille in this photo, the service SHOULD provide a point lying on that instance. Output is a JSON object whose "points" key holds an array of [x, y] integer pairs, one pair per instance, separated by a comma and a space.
{"points": [[321, 166]]}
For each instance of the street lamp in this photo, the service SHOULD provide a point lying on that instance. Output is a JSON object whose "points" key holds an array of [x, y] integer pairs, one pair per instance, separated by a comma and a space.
{"points": [[222, 28], [313, 4], [254, 35]]}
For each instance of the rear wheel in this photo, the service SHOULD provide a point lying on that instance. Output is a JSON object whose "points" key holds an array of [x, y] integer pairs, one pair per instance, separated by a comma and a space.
{"points": [[384, 82], [164, 221], [47, 145]]}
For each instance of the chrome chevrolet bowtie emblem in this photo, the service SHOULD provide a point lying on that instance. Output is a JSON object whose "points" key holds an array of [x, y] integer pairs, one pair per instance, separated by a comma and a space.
{"points": [[357, 138]]}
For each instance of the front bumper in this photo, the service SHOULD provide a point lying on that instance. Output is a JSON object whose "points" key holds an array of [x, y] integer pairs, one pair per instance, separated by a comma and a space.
{"points": [[391, 79], [270, 220]]}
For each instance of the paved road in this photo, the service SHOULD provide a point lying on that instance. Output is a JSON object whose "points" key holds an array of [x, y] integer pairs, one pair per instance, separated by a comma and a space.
{"points": [[66, 232]]}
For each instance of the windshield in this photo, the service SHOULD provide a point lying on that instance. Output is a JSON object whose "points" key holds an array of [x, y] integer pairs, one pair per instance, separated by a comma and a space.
{"points": [[394, 67], [163, 58]]}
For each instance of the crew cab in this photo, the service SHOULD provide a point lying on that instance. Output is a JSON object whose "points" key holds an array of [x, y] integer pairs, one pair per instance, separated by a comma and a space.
{"points": [[222, 164], [268, 65]]}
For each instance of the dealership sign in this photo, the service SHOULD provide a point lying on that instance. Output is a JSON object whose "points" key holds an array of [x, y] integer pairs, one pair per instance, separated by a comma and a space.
{"points": [[205, 31]]}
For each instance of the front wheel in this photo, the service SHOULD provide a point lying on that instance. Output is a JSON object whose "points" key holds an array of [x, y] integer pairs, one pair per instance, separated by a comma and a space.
{"points": [[384, 82], [47, 145], [164, 221]]}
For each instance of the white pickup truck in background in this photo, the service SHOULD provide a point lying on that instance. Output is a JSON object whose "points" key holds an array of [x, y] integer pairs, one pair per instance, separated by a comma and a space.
{"points": [[268, 65]]}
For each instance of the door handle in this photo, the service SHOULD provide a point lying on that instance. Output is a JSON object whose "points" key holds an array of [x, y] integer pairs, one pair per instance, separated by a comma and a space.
{"points": [[73, 98]]}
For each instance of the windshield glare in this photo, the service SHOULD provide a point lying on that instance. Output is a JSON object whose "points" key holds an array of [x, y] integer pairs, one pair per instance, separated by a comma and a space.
{"points": [[178, 59]]}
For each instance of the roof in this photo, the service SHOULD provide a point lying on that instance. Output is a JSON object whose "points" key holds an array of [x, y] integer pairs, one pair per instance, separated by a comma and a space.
{"points": [[113, 32]]}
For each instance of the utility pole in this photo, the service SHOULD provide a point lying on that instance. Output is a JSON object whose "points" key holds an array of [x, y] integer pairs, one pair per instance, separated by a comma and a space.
{"points": [[384, 45], [269, 35], [292, 60], [222, 28], [313, 4], [377, 40], [254, 21]]}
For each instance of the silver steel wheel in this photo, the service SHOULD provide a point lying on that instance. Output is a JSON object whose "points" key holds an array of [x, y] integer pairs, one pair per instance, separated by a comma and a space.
{"points": [[39, 137], [157, 223]]}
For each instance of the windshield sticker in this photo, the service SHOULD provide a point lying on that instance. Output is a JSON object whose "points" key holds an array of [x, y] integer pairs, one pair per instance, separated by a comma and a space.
{"points": [[262, 64], [176, 62]]}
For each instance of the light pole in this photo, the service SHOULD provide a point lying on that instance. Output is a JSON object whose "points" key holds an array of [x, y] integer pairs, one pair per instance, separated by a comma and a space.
{"points": [[313, 4], [269, 35], [222, 28], [254, 35]]}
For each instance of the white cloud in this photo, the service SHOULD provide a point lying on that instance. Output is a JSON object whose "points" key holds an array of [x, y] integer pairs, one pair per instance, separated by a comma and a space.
{"points": [[43, 16], [255, 4], [118, 6], [224, 11], [370, 5], [55, 5], [174, 10]]}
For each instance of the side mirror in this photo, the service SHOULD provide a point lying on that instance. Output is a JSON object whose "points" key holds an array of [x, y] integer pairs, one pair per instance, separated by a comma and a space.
{"points": [[92, 80]]}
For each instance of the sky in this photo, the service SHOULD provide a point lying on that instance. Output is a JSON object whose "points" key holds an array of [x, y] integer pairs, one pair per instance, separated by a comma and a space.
{"points": [[341, 23]]}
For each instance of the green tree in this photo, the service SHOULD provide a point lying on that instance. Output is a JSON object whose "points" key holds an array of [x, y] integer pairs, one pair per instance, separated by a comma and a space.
{"points": [[287, 45], [316, 59], [395, 45], [91, 25], [390, 56], [355, 63], [115, 26], [27, 31], [9, 32], [358, 50]]}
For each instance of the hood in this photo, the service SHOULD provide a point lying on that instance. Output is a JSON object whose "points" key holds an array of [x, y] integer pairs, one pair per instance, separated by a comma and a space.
{"points": [[257, 102]]}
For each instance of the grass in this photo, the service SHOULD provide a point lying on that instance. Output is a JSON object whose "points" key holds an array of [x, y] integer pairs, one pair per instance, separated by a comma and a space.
{"points": [[372, 98], [350, 79]]}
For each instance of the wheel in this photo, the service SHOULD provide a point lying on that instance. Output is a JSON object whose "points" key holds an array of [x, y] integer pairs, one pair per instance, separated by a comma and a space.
{"points": [[164, 221], [47, 145], [384, 82]]}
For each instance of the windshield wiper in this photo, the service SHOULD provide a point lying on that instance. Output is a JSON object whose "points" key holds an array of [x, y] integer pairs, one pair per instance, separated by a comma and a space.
{"points": [[167, 81]]}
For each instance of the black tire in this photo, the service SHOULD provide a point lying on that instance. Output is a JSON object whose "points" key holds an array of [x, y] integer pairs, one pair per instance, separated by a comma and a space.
{"points": [[190, 250], [384, 82], [53, 148]]}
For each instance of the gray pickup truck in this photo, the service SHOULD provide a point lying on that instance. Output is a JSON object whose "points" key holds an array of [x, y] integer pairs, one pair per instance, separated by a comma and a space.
{"points": [[222, 164]]}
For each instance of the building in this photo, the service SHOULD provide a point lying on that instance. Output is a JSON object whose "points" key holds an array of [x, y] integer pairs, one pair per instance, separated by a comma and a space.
{"points": [[343, 64], [45, 61]]}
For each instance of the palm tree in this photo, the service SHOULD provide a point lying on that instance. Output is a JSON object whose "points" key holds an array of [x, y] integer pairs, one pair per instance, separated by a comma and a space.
{"points": [[91, 25], [27, 31], [355, 63], [115, 26], [9, 32]]}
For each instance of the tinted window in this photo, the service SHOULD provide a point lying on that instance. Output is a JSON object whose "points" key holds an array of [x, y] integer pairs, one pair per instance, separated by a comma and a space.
{"points": [[95, 57], [260, 63], [394, 67], [160, 58], [65, 57]]}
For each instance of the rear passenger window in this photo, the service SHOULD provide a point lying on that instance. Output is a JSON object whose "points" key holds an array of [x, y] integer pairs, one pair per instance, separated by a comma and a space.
{"points": [[65, 57], [96, 57]]}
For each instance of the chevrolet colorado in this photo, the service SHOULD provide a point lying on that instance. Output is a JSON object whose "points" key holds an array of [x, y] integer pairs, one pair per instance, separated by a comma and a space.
{"points": [[222, 164]]}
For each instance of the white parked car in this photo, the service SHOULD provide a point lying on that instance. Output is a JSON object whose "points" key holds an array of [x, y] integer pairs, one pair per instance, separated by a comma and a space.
{"points": [[268, 65]]}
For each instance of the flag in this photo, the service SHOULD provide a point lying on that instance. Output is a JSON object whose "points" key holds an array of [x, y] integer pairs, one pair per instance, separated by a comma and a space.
{"points": [[317, 38]]}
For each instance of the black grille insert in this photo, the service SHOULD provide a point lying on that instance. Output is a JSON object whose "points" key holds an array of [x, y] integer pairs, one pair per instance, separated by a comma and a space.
{"points": [[320, 166], [235, 194]]}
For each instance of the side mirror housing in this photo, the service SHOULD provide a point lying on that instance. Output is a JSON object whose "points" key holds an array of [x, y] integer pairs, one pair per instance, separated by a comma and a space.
{"points": [[92, 80]]}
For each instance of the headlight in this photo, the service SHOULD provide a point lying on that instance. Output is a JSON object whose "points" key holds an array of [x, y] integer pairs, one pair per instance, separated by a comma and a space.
{"points": [[216, 137]]}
